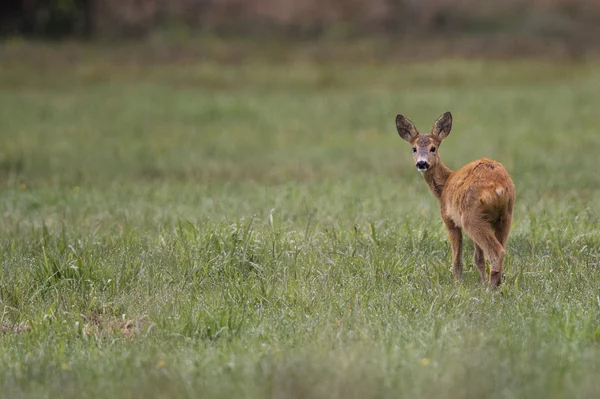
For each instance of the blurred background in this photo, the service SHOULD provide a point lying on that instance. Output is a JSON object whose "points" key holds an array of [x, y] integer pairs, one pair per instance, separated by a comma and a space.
{"points": [[221, 92], [507, 27]]}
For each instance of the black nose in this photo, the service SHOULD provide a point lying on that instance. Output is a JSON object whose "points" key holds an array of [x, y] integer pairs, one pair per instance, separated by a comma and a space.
{"points": [[422, 165]]}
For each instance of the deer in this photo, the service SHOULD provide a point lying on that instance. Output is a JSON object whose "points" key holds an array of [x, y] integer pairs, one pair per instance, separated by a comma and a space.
{"points": [[477, 198]]}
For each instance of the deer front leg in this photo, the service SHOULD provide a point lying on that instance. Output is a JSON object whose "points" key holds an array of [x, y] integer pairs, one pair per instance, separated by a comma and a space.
{"points": [[455, 236]]}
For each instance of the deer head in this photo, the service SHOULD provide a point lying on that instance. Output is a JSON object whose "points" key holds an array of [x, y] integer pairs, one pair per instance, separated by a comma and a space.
{"points": [[425, 146]]}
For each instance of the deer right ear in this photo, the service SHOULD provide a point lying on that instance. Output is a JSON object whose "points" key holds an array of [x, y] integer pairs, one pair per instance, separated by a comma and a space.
{"points": [[406, 129]]}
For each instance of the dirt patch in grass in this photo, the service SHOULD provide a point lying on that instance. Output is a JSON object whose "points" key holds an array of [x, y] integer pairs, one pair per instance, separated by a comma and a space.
{"points": [[101, 326], [10, 328]]}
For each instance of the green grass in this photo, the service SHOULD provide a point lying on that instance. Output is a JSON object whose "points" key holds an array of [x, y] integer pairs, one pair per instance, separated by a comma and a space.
{"points": [[256, 229]]}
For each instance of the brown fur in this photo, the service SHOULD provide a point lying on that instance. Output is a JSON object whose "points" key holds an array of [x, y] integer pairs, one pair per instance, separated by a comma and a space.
{"points": [[477, 198]]}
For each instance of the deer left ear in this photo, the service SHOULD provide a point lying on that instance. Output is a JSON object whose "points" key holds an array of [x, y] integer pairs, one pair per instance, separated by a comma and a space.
{"points": [[442, 127]]}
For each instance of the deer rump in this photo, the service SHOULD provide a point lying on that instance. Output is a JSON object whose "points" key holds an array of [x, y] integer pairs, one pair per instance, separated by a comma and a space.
{"points": [[482, 187]]}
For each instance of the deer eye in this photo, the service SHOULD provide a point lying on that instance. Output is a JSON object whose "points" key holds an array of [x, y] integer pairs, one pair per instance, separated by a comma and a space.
{"points": [[414, 149], [432, 149]]}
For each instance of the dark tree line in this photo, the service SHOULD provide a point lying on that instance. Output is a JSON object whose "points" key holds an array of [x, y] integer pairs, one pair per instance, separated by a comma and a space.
{"points": [[573, 20], [46, 18]]}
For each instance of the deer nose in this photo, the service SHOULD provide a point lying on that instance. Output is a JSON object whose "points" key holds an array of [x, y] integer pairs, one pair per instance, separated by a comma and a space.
{"points": [[422, 166]]}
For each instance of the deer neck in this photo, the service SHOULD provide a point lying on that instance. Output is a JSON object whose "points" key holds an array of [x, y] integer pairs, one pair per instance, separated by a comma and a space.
{"points": [[436, 178]]}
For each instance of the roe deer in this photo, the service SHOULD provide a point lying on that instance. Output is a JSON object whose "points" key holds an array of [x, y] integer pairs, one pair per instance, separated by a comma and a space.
{"points": [[477, 198]]}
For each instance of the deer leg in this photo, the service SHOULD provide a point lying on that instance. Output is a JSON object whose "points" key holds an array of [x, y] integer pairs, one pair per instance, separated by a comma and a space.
{"points": [[483, 235], [501, 232], [455, 236], [479, 261], [503, 228]]}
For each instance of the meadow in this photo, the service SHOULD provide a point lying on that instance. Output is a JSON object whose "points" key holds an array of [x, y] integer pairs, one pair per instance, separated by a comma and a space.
{"points": [[253, 227]]}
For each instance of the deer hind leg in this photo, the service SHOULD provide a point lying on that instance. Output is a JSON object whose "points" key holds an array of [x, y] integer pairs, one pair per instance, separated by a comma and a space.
{"points": [[501, 231], [503, 228], [484, 236], [455, 236], [479, 261]]}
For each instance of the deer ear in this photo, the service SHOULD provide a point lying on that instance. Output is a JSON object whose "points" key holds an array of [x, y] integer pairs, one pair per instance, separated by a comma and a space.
{"points": [[442, 127], [406, 129]]}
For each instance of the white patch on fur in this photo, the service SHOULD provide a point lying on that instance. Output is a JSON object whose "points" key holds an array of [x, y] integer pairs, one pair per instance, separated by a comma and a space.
{"points": [[499, 191]]}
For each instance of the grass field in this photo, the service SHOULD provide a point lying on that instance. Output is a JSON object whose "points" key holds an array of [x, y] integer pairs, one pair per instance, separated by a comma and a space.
{"points": [[256, 229]]}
